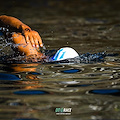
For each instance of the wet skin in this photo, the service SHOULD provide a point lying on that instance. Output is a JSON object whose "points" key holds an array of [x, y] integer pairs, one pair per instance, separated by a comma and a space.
{"points": [[28, 40]]}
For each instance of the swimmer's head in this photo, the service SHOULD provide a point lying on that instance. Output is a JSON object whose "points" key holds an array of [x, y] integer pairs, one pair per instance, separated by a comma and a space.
{"points": [[65, 53]]}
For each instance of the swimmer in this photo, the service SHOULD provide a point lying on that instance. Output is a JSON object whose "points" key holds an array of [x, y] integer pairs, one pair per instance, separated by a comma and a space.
{"points": [[28, 40]]}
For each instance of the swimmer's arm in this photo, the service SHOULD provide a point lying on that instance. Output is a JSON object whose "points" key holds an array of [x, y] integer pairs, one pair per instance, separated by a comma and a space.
{"points": [[30, 35], [14, 22]]}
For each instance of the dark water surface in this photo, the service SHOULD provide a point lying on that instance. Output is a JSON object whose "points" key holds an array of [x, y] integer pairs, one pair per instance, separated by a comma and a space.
{"points": [[33, 91]]}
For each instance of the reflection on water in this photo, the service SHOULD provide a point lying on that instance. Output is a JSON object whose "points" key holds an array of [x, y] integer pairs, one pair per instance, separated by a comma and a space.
{"points": [[93, 88], [33, 91]]}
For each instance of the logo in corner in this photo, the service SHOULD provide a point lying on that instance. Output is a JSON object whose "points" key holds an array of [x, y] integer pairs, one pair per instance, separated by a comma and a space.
{"points": [[63, 111]]}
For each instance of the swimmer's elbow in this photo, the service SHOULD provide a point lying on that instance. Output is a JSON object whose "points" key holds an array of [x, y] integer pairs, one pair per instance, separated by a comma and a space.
{"points": [[2, 16]]}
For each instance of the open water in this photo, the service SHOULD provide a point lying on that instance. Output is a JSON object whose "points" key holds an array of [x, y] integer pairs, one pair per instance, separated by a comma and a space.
{"points": [[35, 91]]}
